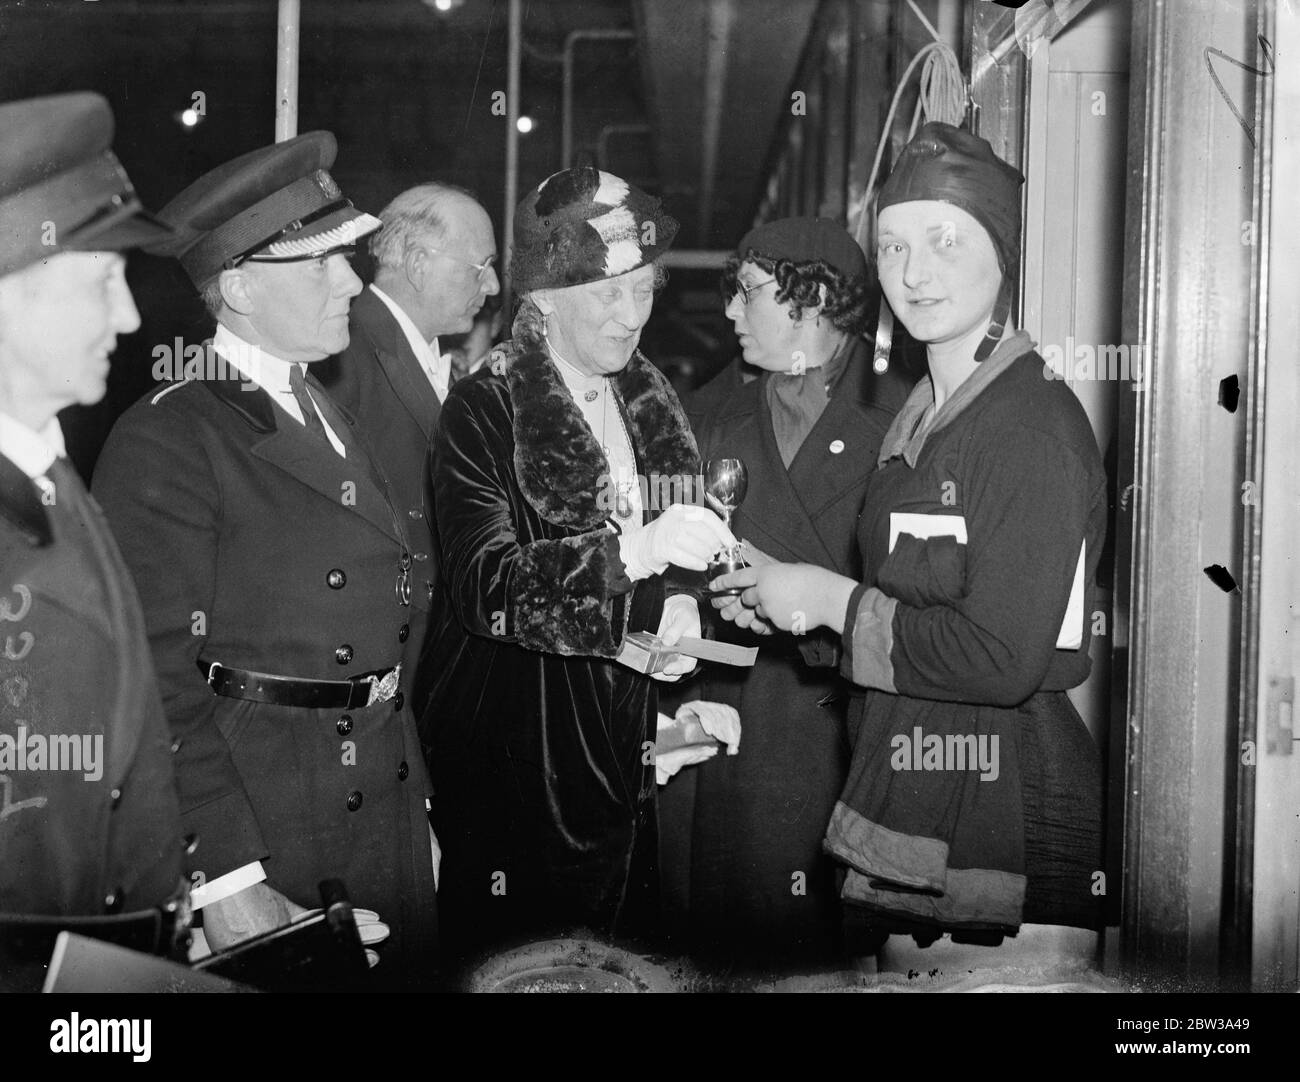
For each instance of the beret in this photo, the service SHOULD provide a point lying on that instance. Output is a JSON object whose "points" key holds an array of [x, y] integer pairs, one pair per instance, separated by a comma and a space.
{"points": [[803, 240]]}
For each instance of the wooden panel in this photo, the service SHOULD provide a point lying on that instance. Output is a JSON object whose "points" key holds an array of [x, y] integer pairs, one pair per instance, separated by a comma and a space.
{"points": [[1275, 864], [1187, 298]]}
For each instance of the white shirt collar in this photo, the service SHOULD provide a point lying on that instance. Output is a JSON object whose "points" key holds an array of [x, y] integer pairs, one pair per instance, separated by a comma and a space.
{"points": [[31, 451], [436, 367], [271, 373], [267, 371]]}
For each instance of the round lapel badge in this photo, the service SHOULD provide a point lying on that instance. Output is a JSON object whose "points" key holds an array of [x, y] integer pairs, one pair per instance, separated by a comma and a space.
{"points": [[837, 446]]}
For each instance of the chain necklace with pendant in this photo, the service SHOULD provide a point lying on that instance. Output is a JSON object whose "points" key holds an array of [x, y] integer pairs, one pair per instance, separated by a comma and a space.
{"points": [[623, 487]]}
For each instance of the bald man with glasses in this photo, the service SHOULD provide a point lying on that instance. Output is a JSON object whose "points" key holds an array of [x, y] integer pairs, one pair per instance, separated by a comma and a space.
{"points": [[434, 269]]}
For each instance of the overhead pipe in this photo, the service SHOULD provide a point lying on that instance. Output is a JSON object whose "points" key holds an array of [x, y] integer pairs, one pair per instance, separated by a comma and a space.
{"points": [[515, 31], [288, 21], [602, 140], [566, 123], [721, 16]]}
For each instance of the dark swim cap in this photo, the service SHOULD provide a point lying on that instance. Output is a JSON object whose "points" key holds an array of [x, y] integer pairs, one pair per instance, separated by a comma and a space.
{"points": [[948, 165]]}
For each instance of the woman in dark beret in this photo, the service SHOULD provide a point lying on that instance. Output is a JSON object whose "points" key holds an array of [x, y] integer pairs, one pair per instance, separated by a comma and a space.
{"points": [[745, 876], [553, 549], [973, 804]]}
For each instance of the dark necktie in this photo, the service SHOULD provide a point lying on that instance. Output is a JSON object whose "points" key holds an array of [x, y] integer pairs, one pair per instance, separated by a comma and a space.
{"points": [[298, 385]]}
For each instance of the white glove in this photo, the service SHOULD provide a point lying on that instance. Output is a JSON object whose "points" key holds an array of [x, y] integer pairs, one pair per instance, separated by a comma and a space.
{"points": [[681, 619], [720, 721], [667, 764], [684, 535]]}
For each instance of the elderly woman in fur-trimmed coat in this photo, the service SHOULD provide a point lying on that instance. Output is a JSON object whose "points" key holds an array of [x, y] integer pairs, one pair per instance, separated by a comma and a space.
{"points": [[536, 737]]}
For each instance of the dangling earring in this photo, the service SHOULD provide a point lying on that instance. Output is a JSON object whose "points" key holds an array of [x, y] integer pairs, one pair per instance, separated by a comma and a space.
{"points": [[546, 325]]}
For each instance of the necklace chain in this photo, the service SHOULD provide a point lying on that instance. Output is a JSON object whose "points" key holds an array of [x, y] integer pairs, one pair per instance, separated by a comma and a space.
{"points": [[623, 488]]}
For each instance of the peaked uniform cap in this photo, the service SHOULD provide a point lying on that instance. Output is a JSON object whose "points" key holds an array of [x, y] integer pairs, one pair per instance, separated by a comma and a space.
{"points": [[278, 201], [61, 187]]}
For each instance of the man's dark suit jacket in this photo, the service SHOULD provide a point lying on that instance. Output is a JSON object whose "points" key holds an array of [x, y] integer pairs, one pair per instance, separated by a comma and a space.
{"points": [[379, 381]]}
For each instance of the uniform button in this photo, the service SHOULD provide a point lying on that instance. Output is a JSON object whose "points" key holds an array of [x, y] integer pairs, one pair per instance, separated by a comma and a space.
{"points": [[403, 632], [116, 797], [176, 747], [191, 844], [336, 580], [113, 901], [398, 700], [354, 800], [344, 725], [837, 446], [403, 771], [421, 555], [415, 512], [343, 654]]}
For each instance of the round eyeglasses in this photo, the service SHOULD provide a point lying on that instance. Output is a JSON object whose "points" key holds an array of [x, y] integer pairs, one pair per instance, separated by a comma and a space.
{"points": [[746, 292], [482, 269]]}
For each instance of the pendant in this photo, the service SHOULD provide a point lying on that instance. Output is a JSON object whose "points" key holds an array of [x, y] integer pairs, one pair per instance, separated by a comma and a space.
{"points": [[591, 396]]}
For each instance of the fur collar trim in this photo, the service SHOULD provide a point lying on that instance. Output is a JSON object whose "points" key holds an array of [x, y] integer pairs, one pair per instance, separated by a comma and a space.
{"points": [[558, 463]]}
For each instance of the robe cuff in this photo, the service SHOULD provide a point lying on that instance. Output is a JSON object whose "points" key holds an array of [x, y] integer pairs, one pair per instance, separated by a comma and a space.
{"points": [[869, 639], [563, 590]]}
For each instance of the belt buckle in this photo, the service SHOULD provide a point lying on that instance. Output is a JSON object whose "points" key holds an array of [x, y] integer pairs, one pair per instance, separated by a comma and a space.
{"points": [[382, 689]]}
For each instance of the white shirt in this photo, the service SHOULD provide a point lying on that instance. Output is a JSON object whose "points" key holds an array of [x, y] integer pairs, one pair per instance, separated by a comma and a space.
{"points": [[271, 374], [31, 451], [436, 366]]}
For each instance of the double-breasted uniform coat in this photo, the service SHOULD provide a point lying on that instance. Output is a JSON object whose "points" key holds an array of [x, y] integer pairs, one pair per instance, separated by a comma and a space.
{"points": [[256, 546], [76, 665], [741, 836], [538, 739], [379, 381]]}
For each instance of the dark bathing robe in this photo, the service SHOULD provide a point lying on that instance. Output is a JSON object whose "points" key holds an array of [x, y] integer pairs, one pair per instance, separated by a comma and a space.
{"points": [[741, 836], [536, 739], [957, 646], [233, 520]]}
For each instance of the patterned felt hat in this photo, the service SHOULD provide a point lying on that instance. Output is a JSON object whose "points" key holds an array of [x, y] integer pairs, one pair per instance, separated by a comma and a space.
{"points": [[582, 225]]}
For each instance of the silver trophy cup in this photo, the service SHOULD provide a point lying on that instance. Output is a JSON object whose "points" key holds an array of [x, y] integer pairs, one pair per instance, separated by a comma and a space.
{"points": [[725, 482]]}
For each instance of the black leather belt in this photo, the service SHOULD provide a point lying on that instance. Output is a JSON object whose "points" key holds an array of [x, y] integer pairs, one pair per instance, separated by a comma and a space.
{"points": [[261, 687]]}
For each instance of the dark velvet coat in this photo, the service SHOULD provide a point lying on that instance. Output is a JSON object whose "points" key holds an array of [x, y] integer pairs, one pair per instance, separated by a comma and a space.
{"points": [[379, 381], [741, 837], [75, 661], [537, 739], [255, 545]]}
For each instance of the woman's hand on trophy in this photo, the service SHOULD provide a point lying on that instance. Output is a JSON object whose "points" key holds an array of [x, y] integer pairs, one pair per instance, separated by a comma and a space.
{"points": [[791, 597], [685, 536]]}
